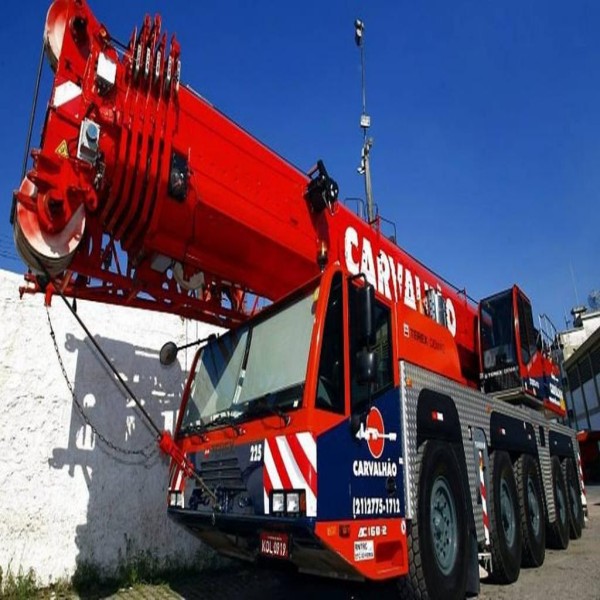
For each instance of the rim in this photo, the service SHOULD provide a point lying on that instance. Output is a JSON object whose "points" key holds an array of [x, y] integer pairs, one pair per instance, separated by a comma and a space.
{"points": [[507, 513], [443, 525], [534, 507]]}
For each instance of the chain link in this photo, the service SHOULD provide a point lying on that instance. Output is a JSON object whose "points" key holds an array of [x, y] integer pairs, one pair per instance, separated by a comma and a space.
{"points": [[147, 452]]}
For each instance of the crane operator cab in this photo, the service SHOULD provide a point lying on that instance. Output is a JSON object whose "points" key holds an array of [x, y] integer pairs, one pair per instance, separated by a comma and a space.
{"points": [[514, 363]]}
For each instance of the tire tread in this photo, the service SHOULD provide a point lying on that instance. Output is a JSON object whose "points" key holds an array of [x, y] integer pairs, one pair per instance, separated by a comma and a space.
{"points": [[414, 584], [557, 537], [575, 524], [532, 556], [503, 571]]}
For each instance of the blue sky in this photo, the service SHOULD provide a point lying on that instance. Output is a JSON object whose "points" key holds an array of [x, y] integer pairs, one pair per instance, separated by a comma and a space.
{"points": [[485, 116]]}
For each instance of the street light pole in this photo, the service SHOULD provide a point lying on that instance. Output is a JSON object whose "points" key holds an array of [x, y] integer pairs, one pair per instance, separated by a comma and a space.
{"points": [[365, 123]]}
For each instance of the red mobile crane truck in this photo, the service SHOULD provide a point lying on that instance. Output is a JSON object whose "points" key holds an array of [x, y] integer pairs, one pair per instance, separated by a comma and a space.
{"points": [[372, 422]]}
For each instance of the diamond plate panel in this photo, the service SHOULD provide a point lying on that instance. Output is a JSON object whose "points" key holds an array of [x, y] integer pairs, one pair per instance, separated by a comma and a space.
{"points": [[474, 409], [546, 468]]}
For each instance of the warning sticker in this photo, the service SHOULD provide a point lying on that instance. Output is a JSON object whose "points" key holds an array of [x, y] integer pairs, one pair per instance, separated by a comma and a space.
{"points": [[62, 149], [364, 550]]}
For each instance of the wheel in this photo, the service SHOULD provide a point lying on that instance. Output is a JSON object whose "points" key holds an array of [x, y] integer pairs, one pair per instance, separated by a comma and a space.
{"points": [[437, 539], [531, 511], [558, 532], [504, 520], [576, 518]]}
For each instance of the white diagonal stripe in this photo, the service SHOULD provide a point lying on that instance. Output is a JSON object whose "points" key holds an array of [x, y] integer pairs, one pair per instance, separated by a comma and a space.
{"points": [[178, 479], [291, 466], [296, 478], [271, 468], [309, 446]]}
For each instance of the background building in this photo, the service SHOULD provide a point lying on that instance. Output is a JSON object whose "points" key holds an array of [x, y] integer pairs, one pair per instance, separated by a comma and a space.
{"points": [[581, 354]]}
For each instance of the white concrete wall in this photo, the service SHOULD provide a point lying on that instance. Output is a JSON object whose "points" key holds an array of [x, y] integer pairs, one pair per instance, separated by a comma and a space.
{"points": [[66, 498]]}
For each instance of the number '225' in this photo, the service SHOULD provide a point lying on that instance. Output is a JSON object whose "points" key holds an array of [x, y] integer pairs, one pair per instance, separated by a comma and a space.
{"points": [[255, 452]]}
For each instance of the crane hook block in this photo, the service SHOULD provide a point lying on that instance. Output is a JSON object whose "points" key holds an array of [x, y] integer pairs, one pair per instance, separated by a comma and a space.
{"points": [[322, 191]]}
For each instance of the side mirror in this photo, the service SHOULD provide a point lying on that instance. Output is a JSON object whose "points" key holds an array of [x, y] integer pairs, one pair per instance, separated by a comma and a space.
{"points": [[366, 366], [168, 354], [366, 313]]}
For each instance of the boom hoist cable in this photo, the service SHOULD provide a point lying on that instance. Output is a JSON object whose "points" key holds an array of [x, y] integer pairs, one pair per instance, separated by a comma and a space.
{"points": [[163, 438], [36, 93]]}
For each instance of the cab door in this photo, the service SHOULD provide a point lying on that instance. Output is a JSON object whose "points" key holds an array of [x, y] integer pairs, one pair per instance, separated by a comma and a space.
{"points": [[526, 332], [377, 481], [360, 463]]}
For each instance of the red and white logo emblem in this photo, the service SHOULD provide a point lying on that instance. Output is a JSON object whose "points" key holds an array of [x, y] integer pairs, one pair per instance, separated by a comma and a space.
{"points": [[373, 431]]}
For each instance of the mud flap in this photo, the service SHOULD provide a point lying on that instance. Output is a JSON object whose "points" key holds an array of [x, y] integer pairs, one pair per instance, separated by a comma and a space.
{"points": [[473, 584]]}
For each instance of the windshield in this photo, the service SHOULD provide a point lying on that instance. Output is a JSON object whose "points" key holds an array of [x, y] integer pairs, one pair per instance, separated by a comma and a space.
{"points": [[264, 362]]}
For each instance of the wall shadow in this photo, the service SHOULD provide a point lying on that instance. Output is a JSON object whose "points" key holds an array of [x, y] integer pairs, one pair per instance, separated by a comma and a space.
{"points": [[115, 453]]}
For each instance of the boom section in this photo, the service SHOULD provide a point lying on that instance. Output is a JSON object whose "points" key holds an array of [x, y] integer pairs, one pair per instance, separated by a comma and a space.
{"points": [[142, 193]]}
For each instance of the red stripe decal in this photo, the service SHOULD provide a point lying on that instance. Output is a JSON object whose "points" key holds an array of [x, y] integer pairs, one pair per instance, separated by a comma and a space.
{"points": [[306, 468], [486, 520], [267, 484], [279, 465]]}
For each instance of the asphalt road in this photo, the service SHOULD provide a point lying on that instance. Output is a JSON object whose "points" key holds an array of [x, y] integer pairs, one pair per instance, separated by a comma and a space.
{"points": [[574, 573]]}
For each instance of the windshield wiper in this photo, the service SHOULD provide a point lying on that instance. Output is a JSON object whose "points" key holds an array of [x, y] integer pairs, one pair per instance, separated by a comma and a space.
{"points": [[221, 418], [253, 408], [195, 427]]}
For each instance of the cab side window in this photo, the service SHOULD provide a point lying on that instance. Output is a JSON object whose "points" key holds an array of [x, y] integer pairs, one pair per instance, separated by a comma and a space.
{"points": [[382, 347], [330, 381]]}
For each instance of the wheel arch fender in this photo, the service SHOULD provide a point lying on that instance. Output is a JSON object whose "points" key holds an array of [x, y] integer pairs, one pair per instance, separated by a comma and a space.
{"points": [[561, 445], [515, 436], [437, 418]]}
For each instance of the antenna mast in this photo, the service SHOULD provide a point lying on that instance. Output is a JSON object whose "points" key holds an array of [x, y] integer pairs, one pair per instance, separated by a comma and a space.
{"points": [[365, 123]]}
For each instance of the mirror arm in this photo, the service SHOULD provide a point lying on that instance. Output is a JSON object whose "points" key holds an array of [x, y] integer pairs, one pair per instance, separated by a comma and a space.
{"points": [[168, 353]]}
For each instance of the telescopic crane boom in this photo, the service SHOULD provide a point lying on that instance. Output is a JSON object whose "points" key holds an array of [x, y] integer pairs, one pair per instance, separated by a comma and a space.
{"points": [[144, 194]]}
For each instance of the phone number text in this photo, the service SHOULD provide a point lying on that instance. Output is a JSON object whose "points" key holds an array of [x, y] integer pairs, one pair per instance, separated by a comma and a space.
{"points": [[375, 506]]}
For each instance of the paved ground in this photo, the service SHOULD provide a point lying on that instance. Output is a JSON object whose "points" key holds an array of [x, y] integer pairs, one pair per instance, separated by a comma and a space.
{"points": [[574, 573]]}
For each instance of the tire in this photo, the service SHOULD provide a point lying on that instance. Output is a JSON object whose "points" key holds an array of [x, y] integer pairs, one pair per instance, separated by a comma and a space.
{"points": [[505, 523], [557, 533], [576, 518], [531, 511], [438, 535]]}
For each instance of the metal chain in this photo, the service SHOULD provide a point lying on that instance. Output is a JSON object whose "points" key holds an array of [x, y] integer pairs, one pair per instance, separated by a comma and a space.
{"points": [[147, 452]]}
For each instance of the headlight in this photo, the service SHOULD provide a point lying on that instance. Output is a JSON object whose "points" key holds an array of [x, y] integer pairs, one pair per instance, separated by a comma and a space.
{"points": [[293, 502], [175, 498], [277, 502]]}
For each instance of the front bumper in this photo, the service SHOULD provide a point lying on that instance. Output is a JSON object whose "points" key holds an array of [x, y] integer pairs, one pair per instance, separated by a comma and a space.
{"points": [[238, 536]]}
